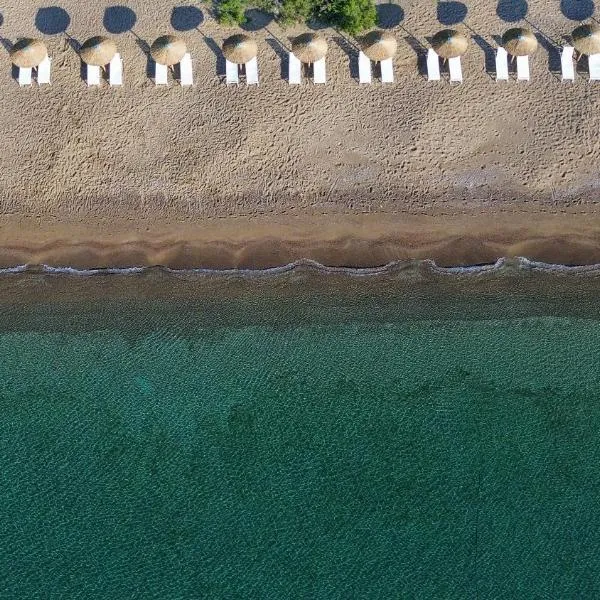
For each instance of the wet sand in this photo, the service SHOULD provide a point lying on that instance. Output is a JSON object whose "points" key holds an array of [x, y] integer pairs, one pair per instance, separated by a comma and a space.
{"points": [[367, 240]]}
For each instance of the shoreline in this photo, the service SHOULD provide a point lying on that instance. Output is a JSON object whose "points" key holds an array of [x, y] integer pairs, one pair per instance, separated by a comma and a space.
{"points": [[352, 241]]}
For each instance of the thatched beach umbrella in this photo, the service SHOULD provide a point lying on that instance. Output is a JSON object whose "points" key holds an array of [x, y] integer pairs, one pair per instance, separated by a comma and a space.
{"points": [[98, 51], [28, 53], [449, 43], [379, 45], [240, 48], [309, 47], [586, 39], [519, 42], [168, 50]]}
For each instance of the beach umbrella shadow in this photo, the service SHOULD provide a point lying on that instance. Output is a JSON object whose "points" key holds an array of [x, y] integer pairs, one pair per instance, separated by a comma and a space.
{"points": [[186, 18], [577, 10], [144, 46], [218, 52], [256, 19], [119, 19], [553, 51], [420, 52], [451, 13], [351, 50], [5, 43], [283, 54], [389, 15], [582, 66], [489, 53], [511, 11], [52, 20]]}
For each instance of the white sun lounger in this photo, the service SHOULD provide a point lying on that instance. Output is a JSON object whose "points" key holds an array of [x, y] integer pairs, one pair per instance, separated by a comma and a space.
{"points": [[594, 67], [387, 71], [93, 75], [319, 75], [294, 70], [115, 70], [161, 73], [231, 73], [24, 77], [501, 64], [252, 72], [433, 65], [566, 63], [186, 77], [364, 68], [522, 68], [43, 71], [455, 70]]}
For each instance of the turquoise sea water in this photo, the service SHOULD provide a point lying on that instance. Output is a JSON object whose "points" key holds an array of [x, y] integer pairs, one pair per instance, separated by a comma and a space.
{"points": [[305, 438]]}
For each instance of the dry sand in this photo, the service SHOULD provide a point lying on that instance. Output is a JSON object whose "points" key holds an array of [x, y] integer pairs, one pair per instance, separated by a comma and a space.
{"points": [[344, 174]]}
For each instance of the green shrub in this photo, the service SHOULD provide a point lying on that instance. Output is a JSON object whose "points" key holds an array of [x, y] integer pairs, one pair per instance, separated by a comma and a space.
{"points": [[268, 6], [231, 12], [294, 11], [352, 16]]}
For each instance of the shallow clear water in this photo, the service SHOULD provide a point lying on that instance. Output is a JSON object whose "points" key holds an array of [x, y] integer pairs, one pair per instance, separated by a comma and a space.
{"points": [[173, 454]]}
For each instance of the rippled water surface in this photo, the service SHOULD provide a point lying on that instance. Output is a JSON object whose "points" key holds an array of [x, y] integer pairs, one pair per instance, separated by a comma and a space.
{"points": [[411, 436]]}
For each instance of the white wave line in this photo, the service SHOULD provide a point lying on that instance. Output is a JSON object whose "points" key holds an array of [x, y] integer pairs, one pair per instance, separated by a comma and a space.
{"points": [[518, 263]]}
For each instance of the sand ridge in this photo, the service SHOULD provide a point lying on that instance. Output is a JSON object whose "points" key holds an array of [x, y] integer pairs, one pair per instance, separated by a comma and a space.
{"points": [[97, 160]]}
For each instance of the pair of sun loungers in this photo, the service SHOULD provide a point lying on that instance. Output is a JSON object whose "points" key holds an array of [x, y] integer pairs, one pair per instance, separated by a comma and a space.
{"points": [[232, 72], [186, 79], [25, 76], [433, 67], [568, 68], [365, 69], [115, 72], [295, 70], [502, 66]]}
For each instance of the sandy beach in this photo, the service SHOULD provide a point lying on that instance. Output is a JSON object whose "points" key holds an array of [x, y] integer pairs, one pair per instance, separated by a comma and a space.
{"points": [[256, 177]]}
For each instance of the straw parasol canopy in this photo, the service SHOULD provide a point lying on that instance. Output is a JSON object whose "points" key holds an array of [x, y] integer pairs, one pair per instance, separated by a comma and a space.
{"points": [[309, 47], [98, 51], [586, 39], [239, 49], [449, 43], [28, 53], [379, 45], [519, 42], [168, 50]]}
